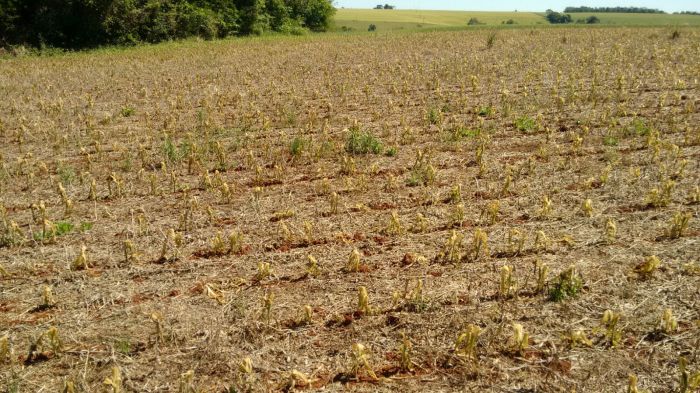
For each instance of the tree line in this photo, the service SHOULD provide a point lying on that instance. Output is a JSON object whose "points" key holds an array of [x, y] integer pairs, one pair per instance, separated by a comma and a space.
{"points": [[76, 24], [627, 10]]}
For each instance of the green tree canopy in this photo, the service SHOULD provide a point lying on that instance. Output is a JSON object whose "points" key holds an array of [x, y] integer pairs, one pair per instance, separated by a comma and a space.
{"points": [[88, 23]]}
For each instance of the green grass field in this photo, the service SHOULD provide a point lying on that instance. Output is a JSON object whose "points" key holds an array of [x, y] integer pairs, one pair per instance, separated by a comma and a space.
{"points": [[360, 19]]}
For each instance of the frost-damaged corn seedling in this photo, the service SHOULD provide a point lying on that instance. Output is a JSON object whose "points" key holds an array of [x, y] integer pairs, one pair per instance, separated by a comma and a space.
{"points": [[266, 302], [587, 208], [47, 297], [457, 216], [541, 271], [507, 284], [689, 382], [394, 227], [678, 225], [610, 230], [546, 207], [521, 339], [235, 242], [647, 268], [130, 253], [360, 361], [264, 271], [578, 337], [353, 265], [405, 350], [297, 379], [480, 245], [516, 241], [157, 319], [613, 333], [363, 301], [452, 250], [632, 385], [114, 381], [5, 352], [465, 345], [218, 245], [187, 382], [214, 293], [661, 197], [541, 241], [669, 324], [81, 261]]}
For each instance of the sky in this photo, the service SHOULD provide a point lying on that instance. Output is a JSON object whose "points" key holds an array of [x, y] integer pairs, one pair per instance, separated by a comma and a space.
{"points": [[527, 5]]}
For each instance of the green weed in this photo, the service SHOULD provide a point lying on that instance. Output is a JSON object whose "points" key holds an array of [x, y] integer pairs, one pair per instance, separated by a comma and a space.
{"points": [[360, 142], [61, 228], [525, 124]]}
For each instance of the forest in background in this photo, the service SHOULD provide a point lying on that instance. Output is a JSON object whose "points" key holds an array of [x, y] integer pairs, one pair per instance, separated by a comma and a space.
{"points": [[76, 24]]}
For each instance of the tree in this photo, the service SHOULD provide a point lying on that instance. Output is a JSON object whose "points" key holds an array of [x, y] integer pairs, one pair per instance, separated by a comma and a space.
{"points": [[556, 17]]}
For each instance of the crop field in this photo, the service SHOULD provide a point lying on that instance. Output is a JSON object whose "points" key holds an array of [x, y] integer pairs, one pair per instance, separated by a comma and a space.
{"points": [[360, 19], [487, 211]]}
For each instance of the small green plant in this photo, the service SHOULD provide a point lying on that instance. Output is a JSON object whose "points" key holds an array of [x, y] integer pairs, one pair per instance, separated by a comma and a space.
{"points": [[297, 147], [359, 142], [491, 40], [127, 111], [123, 346], [639, 127], [422, 173], [610, 140], [391, 151], [525, 124], [66, 174], [568, 284], [433, 116], [58, 228], [485, 111]]}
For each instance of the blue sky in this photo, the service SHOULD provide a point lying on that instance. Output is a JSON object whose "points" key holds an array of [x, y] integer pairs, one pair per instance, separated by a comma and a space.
{"points": [[507, 5]]}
